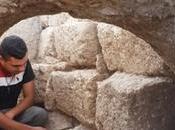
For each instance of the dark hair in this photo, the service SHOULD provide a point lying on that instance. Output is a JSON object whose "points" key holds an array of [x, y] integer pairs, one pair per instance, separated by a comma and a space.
{"points": [[13, 46]]}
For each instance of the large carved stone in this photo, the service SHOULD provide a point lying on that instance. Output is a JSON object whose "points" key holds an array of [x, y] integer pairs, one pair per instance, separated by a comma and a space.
{"points": [[123, 51], [74, 42], [73, 93], [77, 43], [151, 20], [135, 102], [42, 73]]}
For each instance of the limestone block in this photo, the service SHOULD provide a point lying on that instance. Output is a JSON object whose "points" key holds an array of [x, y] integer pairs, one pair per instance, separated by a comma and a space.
{"points": [[135, 102], [42, 72], [125, 52], [73, 93], [29, 30], [59, 121], [77, 42]]}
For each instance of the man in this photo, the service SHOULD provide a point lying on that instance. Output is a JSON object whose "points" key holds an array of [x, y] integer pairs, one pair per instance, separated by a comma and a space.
{"points": [[16, 74]]}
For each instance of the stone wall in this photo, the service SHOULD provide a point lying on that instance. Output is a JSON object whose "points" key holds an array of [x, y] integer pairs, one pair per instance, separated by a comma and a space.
{"points": [[99, 74]]}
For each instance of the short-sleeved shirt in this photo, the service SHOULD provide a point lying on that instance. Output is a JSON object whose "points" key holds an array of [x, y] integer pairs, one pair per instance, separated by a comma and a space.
{"points": [[10, 86]]}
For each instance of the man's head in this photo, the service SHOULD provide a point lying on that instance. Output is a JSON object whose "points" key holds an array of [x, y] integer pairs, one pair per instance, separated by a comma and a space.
{"points": [[13, 54]]}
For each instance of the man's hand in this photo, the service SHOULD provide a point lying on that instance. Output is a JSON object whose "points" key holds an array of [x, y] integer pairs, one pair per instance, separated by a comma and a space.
{"points": [[8, 124]]}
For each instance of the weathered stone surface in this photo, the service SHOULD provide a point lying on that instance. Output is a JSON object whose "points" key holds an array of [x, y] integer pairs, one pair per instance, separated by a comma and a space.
{"points": [[51, 40], [59, 121], [29, 30], [133, 102], [81, 127], [125, 52], [42, 72], [74, 93], [77, 43]]}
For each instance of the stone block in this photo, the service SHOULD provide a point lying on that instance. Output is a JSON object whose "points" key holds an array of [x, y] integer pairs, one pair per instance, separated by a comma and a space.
{"points": [[134, 102], [125, 52], [74, 93]]}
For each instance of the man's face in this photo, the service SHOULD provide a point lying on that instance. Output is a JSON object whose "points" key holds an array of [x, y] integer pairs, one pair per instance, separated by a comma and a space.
{"points": [[13, 65]]}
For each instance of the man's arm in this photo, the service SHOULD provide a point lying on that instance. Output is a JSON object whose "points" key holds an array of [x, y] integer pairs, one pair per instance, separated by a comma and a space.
{"points": [[6, 121], [9, 124], [28, 90]]}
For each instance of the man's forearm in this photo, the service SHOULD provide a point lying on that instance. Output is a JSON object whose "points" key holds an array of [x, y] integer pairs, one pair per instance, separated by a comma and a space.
{"points": [[9, 124], [29, 93], [5, 122], [25, 103]]}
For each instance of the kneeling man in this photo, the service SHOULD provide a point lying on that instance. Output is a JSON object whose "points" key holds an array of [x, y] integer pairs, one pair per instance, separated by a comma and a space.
{"points": [[16, 74]]}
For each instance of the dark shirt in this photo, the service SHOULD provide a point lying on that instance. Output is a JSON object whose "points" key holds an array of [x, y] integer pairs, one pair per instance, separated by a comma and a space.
{"points": [[10, 86]]}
